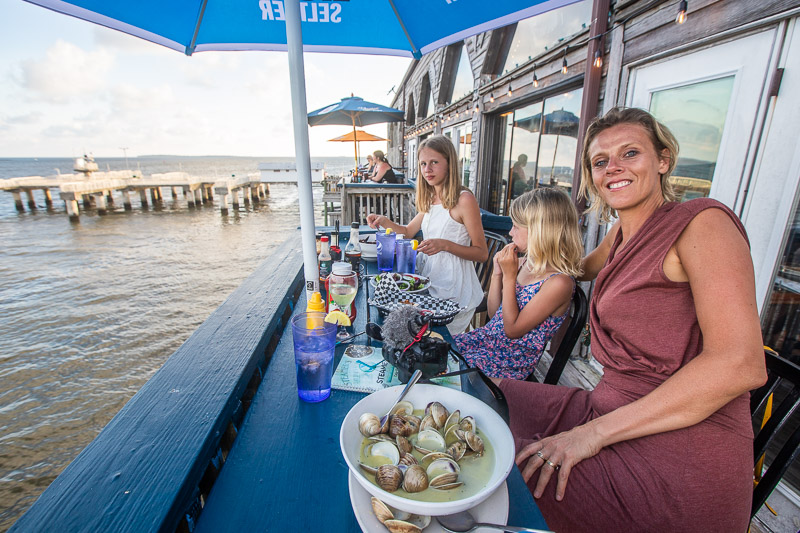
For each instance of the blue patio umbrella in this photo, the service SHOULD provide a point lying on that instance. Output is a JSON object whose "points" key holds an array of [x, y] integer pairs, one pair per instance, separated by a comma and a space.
{"points": [[354, 111], [396, 27]]}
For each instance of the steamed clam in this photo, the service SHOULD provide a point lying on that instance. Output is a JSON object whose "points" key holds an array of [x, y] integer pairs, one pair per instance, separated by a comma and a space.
{"points": [[421, 456], [398, 521]]}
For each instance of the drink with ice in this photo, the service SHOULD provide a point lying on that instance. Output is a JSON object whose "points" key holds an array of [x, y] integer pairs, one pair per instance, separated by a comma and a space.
{"points": [[314, 345], [384, 245], [406, 256]]}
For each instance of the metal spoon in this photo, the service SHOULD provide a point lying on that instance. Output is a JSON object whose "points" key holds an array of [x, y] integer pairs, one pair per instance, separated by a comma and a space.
{"points": [[464, 521], [412, 380]]}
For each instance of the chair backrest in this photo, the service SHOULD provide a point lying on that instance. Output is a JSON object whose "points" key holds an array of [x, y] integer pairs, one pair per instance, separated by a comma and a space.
{"points": [[566, 337], [784, 384], [495, 242]]}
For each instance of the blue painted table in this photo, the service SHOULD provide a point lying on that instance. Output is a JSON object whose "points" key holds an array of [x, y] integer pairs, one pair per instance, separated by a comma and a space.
{"points": [[286, 472]]}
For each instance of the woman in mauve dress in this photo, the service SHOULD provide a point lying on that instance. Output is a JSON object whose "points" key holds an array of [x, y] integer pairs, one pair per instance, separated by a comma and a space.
{"points": [[664, 442]]}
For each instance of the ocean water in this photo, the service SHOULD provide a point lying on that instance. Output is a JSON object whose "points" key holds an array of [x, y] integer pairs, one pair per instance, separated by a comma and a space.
{"points": [[90, 310]]}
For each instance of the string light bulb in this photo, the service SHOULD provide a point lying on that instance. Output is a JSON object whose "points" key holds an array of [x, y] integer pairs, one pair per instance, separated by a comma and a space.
{"points": [[510, 92], [564, 63], [491, 97], [535, 79], [682, 8], [598, 59], [477, 108]]}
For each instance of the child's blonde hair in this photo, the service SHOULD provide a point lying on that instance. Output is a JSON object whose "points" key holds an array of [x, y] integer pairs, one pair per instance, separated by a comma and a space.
{"points": [[452, 187], [554, 237]]}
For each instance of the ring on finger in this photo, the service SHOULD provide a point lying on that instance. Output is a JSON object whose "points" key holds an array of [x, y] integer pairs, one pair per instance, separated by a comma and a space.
{"points": [[541, 456], [552, 464]]}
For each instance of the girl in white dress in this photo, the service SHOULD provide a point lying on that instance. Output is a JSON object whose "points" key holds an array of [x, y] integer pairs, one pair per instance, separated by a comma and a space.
{"points": [[450, 220]]}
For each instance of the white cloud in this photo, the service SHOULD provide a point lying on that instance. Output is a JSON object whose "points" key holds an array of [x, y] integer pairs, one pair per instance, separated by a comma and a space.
{"points": [[26, 119], [65, 72]]}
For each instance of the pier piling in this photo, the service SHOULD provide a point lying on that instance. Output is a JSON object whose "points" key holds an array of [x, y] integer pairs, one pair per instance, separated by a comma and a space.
{"points": [[126, 200], [143, 197], [48, 198], [18, 201]]}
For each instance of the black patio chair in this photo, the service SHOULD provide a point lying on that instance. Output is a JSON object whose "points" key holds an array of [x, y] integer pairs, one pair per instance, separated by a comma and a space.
{"points": [[494, 242], [565, 338], [784, 384]]}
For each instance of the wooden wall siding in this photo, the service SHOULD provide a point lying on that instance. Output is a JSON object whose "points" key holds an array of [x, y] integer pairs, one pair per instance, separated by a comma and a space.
{"points": [[656, 30]]}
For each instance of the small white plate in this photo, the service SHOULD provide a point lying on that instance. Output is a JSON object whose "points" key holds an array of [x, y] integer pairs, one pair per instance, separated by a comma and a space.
{"points": [[493, 510]]}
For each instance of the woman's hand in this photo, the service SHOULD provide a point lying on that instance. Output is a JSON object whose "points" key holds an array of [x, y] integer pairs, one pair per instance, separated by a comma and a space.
{"points": [[558, 454], [508, 261], [375, 221], [433, 246]]}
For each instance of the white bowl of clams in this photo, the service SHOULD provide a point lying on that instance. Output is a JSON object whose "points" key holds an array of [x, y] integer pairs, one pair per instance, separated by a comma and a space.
{"points": [[441, 452]]}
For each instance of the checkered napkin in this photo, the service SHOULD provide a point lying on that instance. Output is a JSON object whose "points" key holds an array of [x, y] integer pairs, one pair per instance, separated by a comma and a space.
{"points": [[389, 297]]}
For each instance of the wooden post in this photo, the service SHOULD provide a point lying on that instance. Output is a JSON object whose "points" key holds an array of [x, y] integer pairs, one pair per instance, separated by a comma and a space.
{"points": [[143, 197], [189, 194], [235, 199], [206, 194], [109, 196], [100, 201], [154, 195], [48, 198], [87, 201], [18, 201], [31, 199], [174, 193], [72, 209], [266, 189], [126, 199], [246, 194], [198, 197], [210, 190], [223, 206]]}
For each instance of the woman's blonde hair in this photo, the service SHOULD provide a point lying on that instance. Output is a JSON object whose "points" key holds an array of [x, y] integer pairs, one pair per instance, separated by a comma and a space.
{"points": [[452, 187], [554, 237], [660, 136]]}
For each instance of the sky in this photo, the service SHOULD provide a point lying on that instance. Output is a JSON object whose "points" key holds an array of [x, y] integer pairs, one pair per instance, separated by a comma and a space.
{"points": [[69, 87]]}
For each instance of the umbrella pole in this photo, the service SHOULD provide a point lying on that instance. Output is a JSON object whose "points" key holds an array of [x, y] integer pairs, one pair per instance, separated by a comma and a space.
{"points": [[294, 41], [355, 142]]}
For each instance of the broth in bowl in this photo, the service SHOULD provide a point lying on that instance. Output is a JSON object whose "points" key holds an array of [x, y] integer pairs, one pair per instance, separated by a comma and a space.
{"points": [[419, 470]]}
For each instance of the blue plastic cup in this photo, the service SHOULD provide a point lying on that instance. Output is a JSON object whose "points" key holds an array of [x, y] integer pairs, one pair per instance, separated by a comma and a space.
{"points": [[384, 247], [314, 346], [406, 256]]}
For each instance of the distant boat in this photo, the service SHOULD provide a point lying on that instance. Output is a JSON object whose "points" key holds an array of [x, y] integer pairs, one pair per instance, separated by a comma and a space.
{"points": [[85, 164]]}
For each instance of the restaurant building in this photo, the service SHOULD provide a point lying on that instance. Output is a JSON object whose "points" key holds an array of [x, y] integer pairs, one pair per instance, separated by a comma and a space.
{"points": [[724, 76]]}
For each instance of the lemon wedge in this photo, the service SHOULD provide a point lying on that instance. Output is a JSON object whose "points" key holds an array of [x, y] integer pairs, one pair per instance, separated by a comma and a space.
{"points": [[389, 231], [414, 244], [338, 318]]}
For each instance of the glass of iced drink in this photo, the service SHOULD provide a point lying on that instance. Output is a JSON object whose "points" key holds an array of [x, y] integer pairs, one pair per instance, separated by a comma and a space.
{"points": [[314, 346]]}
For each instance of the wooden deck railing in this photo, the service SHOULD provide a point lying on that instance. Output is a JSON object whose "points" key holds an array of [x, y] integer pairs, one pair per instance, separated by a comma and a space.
{"points": [[153, 465], [392, 200]]}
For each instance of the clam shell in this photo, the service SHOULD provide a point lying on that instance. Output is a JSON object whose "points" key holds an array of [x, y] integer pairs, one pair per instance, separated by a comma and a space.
{"points": [[403, 408], [443, 480], [457, 450], [474, 442], [389, 477], [415, 479], [442, 465], [401, 526], [451, 435], [452, 420], [382, 511], [403, 444], [427, 423], [448, 486], [400, 426], [430, 440], [438, 412], [407, 459], [468, 424], [384, 449], [369, 424]]}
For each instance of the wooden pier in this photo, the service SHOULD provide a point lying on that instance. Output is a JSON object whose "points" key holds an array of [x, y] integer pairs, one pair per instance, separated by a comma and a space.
{"points": [[97, 190]]}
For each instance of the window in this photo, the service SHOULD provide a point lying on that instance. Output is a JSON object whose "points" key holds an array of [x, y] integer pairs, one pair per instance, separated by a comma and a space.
{"points": [[695, 114], [532, 36], [464, 80], [539, 143], [461, 136], [426, 97]]}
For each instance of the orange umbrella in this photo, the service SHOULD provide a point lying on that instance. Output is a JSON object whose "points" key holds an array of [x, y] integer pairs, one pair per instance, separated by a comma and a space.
{"points": [[355, 137]]}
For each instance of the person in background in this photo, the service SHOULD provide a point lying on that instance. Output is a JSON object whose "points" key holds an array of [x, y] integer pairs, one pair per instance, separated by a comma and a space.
{"points": [[529, 297], [382, 171], [519, 182], [450, 221], [370, 166], [664, 442]]}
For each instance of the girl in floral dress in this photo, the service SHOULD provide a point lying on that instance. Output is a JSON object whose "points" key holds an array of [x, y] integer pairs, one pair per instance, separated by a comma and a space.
{"points": [[528, 297]]}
